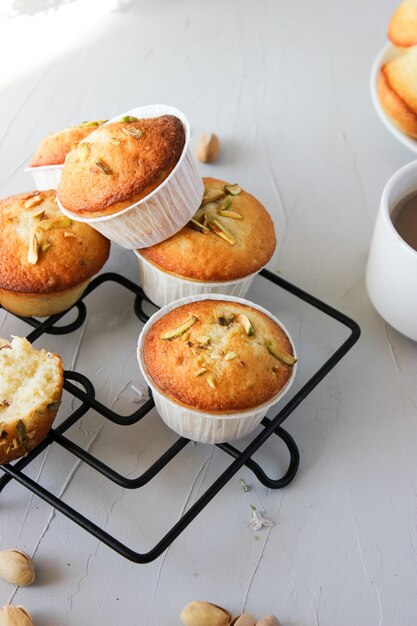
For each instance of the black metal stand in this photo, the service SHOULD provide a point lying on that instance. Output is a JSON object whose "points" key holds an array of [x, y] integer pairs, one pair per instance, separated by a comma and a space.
{"points": [[87, 397]]}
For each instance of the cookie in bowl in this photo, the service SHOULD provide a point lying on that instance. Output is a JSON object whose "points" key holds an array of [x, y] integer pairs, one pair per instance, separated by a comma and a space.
{"points": [[47, 258], [133, 179], [402, 30], [47, 162], [31, 383], [228, 240], [397, 90], [215, 365]]}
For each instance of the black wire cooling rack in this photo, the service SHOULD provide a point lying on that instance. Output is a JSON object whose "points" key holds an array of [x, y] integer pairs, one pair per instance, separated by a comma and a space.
{"points": [[86, 394]]}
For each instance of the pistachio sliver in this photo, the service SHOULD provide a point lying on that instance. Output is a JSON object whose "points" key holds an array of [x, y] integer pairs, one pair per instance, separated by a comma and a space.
{"points": [[33, 201], [205, 339], [83, 151], [94, 123], [211, 381], [247, 324], [220, 231], [282, 356], [114, 141], [201, 371], [229, 356], [45, 246], [38, 214], [210, 195], [69, 234], [54, 222], [226, 204], [224, 320], [233, 214], [104, 167], [33, 249], [233, 190], [129, 118], [197, 226], [181, 329], [134, 132]]}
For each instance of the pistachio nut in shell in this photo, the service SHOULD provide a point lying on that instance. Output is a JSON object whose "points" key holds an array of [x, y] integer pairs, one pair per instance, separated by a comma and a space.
{"points": [[15, 616], [246, 619], [204, 614], [268, 620], [16, 567]]}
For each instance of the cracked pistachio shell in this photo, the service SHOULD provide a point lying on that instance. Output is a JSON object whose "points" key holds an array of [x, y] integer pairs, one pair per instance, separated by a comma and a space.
{"points": [[268, 620], [204, 614], [16, 567], [246, 619], [15, 616]]}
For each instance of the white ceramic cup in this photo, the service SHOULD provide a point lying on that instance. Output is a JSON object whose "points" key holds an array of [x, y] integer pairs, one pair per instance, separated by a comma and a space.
{"points": [[391, 274]]}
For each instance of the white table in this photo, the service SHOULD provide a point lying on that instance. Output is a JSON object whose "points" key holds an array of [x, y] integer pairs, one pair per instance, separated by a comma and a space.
{"points": [[285, 86]]}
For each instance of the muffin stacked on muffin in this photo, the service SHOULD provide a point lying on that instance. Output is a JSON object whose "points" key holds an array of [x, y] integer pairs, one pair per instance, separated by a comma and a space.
{"points": [[47, 258], [229, 239]]}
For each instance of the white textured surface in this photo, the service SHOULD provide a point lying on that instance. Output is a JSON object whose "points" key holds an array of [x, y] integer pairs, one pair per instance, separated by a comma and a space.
{"points": [[285, 86]]}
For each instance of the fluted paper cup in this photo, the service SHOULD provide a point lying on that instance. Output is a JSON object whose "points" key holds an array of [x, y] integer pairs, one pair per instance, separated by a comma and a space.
{"points": [[164, 211], [46, 176], [204, 426], [163, 288]]}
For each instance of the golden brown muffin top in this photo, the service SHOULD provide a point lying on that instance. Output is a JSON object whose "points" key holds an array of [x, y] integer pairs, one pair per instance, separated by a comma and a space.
{"points": [[120, 164], [218, 356], [231, 236], [41, 249], [54, 148]]}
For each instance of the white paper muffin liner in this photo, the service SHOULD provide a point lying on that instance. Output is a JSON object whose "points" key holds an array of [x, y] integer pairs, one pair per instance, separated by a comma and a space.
{"points": [[164, 211], [163, 288], [46, 176], [203, 426]]}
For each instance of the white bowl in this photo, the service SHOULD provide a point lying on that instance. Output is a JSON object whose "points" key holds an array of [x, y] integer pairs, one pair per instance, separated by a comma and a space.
{"points": [[46, 176], [162, 288], [203, 426], [388, 53], [164, 211]]}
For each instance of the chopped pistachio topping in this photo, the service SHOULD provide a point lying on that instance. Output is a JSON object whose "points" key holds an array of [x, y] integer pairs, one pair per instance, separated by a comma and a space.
{"points": [[68, 234], [185, 336], [201, 371], [104, 167], [134, 132], [282, 356], [197, 226], [38, 213], [211, 381], [230, 356], [54, 222], [247, 324], [87, 124], [233, 214], [180, 330], [234, 190], [129, 118], [205, 339], [33, 249], [226, 204], [220, 231], [21, 431], [224, 320], [33, 201], [45, 246], [84, 151], [114, 141], [210, 195]]}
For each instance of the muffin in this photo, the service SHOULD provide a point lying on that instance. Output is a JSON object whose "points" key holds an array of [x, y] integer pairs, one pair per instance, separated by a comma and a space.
{"points": [[215, 365], [55, 147], [47, 162], [47, 258], [403, 25], [31, 385], [397, 90], [133, 179], [229, 239]]}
